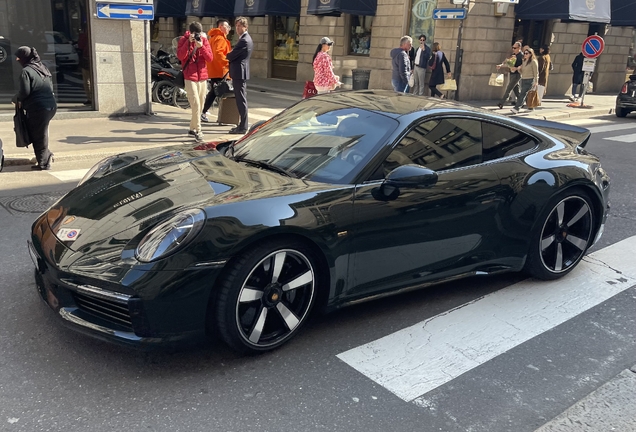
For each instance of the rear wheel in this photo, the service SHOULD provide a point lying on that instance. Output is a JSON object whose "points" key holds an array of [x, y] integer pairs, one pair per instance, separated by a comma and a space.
{"points": [[560, 241], [266, 296], [621, 112]]}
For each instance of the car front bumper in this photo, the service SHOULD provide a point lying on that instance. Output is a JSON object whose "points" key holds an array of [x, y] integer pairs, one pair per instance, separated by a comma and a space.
{"points": [[124, 305]]}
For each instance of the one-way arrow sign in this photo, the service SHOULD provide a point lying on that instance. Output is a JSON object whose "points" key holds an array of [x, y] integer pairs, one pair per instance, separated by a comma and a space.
{"points": [[125, 11], [459, 13]]}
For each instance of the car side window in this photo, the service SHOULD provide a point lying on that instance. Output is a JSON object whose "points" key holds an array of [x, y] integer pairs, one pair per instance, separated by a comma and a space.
{"points": [[438, 144], [500, 141]]}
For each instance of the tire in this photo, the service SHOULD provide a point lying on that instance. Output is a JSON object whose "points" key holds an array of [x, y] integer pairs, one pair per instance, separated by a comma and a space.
{"points": [[266, 295], [180, 98], [562, 236], [621, 112], [163, 92]]}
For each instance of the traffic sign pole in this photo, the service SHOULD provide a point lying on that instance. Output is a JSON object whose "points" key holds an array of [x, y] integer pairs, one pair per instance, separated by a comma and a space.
{"points": [[591, 48]]}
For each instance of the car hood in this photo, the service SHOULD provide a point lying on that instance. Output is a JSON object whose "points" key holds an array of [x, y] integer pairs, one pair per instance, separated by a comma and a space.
{"points": [[138, 190]]}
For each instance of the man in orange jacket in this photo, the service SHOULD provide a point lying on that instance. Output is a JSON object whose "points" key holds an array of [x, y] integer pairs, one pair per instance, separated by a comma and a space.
{"points": [[219, 65]]}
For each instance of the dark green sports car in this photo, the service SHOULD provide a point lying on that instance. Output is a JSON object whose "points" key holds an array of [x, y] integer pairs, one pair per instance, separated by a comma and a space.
{"points": [[340, 198]]}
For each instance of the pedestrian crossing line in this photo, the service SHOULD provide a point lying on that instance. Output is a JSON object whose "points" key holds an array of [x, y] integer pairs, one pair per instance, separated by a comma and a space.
{"points": [[69, 175], [631, 138], [611, 128], [427, 355]]}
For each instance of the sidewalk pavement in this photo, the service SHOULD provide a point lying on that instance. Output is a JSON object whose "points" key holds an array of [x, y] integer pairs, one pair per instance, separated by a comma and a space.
{"points": [[91, 135]]}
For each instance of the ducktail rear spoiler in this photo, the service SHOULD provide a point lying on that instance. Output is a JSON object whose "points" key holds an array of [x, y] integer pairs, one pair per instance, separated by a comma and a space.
{"points": [[572, 135]]}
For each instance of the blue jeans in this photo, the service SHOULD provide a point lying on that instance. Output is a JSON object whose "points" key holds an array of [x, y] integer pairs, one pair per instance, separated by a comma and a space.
{"points": [[400, 86], [575, 88], [526, 85]]}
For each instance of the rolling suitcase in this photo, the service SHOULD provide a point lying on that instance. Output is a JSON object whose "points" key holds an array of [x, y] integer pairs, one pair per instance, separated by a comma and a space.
{"points": [[228, 112]]}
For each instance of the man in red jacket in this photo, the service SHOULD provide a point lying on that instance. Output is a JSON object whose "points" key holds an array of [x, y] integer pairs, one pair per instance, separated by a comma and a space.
{"points": [[193, 52]]}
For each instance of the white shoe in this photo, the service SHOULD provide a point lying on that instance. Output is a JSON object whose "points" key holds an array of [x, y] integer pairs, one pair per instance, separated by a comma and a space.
{"points": [[514, 111]]}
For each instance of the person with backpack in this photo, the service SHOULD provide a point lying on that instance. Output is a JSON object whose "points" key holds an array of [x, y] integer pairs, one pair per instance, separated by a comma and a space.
{"points": [[35, 96]]}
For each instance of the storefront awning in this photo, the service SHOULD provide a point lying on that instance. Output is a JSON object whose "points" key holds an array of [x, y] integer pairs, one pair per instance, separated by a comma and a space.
{"points": [[210, 8], [623, 13], [170, 8], [252, 8], [577, 10], [337, 7]]}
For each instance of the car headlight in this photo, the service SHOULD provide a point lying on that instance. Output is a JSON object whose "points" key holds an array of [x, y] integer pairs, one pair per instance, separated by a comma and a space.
{"points": [[100, 166], [170, 236]]}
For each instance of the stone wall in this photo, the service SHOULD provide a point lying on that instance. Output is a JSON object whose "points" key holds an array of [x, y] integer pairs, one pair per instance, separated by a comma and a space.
{"points": [[612, 64], [389, 25], [120, 65], [486, 42], [566, 45]]}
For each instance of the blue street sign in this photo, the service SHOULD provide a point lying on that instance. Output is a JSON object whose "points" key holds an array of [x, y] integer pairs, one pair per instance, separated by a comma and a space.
{"points": [[125, 11], [593, 46], [459, 13]]}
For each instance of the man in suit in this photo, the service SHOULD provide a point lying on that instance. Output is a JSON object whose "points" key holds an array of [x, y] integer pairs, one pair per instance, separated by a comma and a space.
{"points": [[239, 59], [422, 56]]}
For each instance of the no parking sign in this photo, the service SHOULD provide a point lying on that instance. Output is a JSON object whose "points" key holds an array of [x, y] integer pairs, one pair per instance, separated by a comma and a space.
{"points": [[593, 46]]}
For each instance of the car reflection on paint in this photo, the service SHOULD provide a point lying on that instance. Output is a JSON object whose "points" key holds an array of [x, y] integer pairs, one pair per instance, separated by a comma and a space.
{"points": [[340, 199]]}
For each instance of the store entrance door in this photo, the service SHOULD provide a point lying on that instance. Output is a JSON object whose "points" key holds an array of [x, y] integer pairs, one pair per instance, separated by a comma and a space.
{"points": [[285, 47]]}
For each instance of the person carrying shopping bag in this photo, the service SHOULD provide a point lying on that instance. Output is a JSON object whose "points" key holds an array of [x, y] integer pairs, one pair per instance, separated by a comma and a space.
{"points": [[545, 64], [529, 78], [324, 78], [437, 73]]}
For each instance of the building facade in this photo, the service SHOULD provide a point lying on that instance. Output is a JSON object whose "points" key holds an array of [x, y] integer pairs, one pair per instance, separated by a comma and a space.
{"points": [[102, 64]]}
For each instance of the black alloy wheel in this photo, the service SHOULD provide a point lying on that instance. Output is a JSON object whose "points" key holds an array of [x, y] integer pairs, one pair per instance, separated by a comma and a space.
{"points": [[266, 296], [564, 237], [163, 91]]}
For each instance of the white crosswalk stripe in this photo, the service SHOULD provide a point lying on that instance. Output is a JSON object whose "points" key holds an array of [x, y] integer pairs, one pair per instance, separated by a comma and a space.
{"points": [[420, 358], [597, 126], [631, 138], [69, 175]]}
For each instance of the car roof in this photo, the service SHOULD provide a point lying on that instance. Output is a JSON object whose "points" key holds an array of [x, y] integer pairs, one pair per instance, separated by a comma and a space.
{"points": [[395, 104]]}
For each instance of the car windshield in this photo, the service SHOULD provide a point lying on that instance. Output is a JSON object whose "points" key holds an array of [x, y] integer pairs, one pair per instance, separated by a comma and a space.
{"points": [[324, 142]]}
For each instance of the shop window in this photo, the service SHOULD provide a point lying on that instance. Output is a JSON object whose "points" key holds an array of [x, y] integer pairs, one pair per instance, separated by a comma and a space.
{"points": [[360, 41], [286, 38]]}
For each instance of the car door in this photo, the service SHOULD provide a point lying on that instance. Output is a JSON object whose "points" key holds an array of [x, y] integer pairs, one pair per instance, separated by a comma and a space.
{"points": [[409, 236]]}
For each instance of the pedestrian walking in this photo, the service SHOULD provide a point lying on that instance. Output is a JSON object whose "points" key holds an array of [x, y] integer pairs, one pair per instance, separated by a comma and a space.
{"points": [[437, 61], [219, 65], [422, 56], [193, 52], [513, 64], [239, 59], [545, 65], [35, 96], [577, 77], [401, 65], [324, 78], [529, 78], [84, 48]]}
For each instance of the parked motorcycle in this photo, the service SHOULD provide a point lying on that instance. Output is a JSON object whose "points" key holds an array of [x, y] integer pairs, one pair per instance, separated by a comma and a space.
{"points": [[163, 75]]}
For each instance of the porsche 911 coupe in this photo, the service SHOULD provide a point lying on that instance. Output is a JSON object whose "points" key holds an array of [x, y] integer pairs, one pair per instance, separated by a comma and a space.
{"points": [[341, 198]]}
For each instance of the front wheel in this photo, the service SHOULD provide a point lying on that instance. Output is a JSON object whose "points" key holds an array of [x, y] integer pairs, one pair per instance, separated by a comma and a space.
{"points": [[163, 91], [266, 296], [180, 98], [563, 236]]}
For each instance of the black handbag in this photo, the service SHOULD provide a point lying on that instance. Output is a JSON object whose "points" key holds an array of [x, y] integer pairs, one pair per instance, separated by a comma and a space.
{"points": [[223, 87], [22, 138]]}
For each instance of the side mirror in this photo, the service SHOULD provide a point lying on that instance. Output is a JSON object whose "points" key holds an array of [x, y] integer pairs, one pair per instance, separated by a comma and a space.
{"points": [[411, 176]]}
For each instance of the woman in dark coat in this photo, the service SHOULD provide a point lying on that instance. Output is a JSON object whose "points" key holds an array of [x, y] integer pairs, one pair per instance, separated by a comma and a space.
{"points": [[437, 73], [36, 98]]}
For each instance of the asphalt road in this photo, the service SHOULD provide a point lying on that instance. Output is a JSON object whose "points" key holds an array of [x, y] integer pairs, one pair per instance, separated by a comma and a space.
{"points": [[52, 379]]}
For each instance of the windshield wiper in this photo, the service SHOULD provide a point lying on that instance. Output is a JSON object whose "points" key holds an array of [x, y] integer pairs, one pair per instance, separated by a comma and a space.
{"points": [[266, 165]]}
